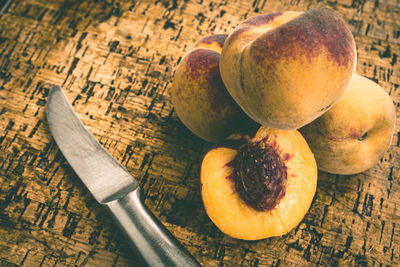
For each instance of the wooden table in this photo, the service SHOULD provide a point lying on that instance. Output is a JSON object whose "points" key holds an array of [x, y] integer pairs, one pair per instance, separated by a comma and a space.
{"points": [[115, 61]]}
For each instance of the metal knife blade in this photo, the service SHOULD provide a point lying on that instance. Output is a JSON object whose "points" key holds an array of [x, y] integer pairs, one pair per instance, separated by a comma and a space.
{"points": [[113, 187], [105, 177]]}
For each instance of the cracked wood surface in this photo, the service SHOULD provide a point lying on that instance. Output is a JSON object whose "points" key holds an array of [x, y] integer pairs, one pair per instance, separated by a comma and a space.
{"points": [[115, 61]]}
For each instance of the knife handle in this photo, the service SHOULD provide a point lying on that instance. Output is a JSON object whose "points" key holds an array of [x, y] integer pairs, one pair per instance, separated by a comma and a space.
{"points": [[148, 235]]}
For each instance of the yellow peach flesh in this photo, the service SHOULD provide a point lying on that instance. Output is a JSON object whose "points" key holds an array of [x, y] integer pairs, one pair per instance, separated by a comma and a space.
{"points": [[233, 216]]}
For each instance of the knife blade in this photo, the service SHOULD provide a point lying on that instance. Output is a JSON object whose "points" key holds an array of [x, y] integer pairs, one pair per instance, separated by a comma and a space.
{"points": [[112, 186], [105, 178]]}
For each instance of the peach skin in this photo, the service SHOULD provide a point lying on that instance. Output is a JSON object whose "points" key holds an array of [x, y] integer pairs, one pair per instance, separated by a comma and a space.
{"points": [[352, 136], [285, 69], [199, 96]]}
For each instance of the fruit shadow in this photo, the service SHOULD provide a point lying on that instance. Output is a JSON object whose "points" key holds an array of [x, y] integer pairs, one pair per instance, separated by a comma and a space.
{"points": [[171, 184]]}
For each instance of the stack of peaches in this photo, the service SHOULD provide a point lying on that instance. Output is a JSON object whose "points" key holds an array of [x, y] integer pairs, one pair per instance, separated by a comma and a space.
{"points": [[292, 76]]}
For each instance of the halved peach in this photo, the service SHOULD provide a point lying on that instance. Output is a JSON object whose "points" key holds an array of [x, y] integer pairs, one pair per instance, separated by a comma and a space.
{"points": [[262, 189]]}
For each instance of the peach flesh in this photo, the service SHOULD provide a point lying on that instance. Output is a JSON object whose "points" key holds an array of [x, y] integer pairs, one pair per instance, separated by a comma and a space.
{"points": [[232, 214]]}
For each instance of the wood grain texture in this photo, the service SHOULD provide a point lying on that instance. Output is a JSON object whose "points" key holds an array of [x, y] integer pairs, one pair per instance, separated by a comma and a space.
{"points": [[115, 61]]}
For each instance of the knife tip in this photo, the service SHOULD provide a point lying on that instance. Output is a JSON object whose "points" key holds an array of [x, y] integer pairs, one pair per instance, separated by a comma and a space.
{"points": [[54, 90]]}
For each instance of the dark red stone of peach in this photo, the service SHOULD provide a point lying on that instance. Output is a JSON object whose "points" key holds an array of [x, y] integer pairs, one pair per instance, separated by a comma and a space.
{"points": [[260, 176]]}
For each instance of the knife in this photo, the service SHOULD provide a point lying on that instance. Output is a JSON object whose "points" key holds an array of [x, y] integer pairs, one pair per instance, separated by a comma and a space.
{"points": [[112, 186]]}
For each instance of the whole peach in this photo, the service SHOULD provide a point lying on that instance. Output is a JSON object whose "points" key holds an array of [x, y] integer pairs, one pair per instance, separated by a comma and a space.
{"points": [[285, 69], [199, 96], [354, 133]]}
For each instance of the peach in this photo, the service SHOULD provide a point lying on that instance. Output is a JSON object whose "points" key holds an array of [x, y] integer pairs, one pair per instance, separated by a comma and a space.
{"points": [[199, 96], [285, 69], [352, 136], [262, 189]]}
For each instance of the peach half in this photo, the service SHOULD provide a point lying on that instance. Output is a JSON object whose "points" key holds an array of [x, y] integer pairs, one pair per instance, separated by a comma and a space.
{"points": [[199, 96], [262, 189], [352, 136], [285, 69]]}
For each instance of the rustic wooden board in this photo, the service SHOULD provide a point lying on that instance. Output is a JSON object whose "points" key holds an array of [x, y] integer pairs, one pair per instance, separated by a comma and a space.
{"points": [[115, 61]]}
